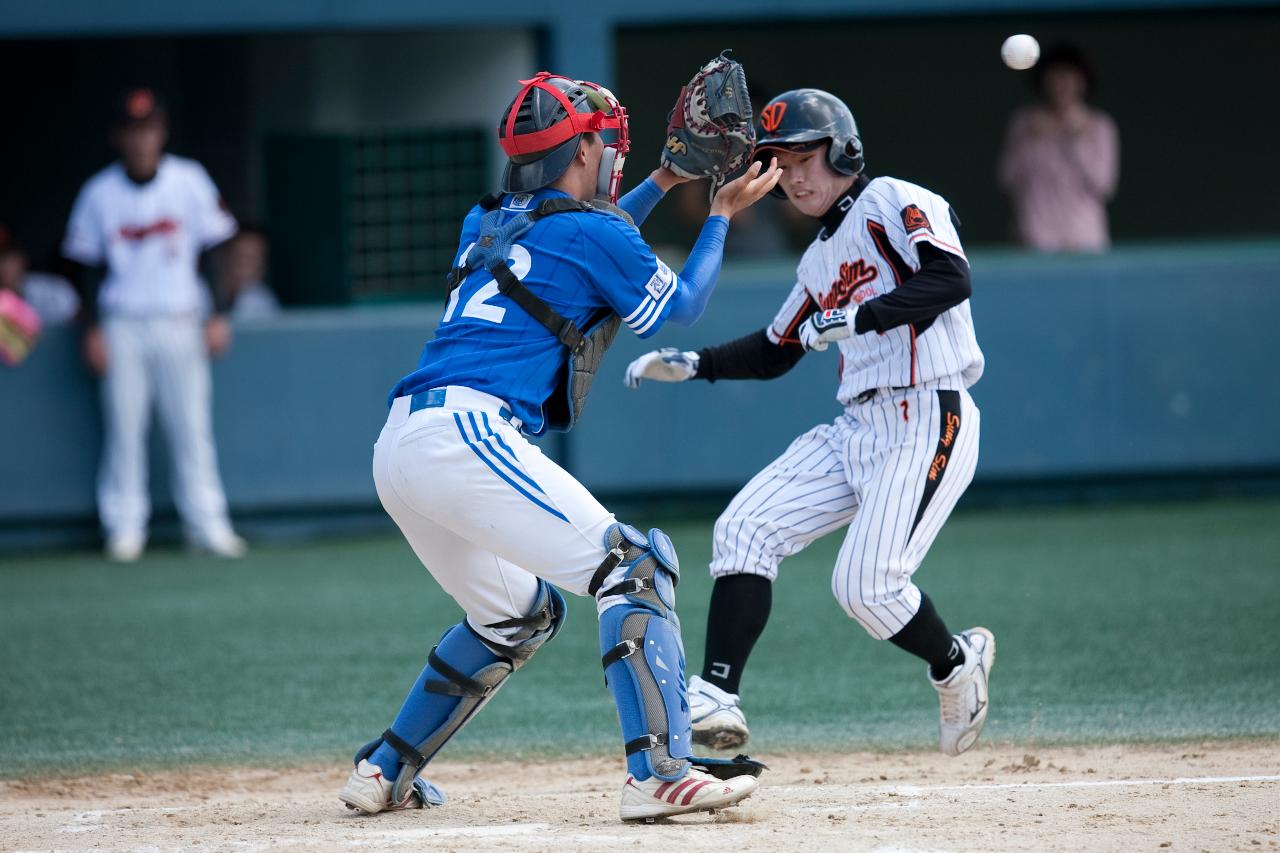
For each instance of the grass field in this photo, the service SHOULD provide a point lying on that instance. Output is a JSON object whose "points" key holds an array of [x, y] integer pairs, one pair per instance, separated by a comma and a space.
{"points": [[1141, 623]]}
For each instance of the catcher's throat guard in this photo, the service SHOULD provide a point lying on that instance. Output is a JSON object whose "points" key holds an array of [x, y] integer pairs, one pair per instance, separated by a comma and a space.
{"points": [[586, 346], [464, 671]]}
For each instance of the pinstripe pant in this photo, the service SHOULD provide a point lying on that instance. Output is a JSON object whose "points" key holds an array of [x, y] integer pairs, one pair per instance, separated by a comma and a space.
{"points": [[891, 469], [161, 362]]}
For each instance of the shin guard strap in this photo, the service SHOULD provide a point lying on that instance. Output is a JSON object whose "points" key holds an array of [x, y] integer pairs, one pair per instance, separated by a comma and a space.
{"points": [[624, 649], [630, 586], [408, 752], [644, 742], [611, 561], [458, 684]]}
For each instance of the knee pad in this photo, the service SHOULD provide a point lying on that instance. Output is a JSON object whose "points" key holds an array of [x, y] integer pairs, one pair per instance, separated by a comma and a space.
{"points": [[641, 650], [463, 673]]}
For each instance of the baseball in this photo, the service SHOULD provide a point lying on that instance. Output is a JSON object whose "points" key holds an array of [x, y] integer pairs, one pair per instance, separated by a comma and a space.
{"points": [[1020, 52]]}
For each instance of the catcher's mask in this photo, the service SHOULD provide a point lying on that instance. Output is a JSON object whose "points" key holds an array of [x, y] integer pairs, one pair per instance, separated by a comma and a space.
{"points": [[543, 126], [805, 118]]}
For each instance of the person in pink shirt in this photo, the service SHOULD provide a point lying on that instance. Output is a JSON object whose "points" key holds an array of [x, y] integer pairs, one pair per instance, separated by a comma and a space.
{"points": [[1061, 160]]}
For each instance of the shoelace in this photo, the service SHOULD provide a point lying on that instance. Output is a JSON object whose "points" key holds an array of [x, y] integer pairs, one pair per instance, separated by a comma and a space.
{"points": [[952, 707]]}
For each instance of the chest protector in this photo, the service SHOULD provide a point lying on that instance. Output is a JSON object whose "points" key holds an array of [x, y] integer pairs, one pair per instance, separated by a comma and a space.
{"points": [[586, 346]]}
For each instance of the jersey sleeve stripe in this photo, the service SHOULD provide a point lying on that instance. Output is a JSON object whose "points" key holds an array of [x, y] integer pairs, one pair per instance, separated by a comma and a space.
{"points": [[648, 312], [941, 244], [901, 269], [644, 303], [789, 336], [657, 312]]}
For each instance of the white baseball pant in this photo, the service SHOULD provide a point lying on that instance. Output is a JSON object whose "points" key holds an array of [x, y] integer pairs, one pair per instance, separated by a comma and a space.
{"points": [[891, 468], [160, 361], [483, 509]]}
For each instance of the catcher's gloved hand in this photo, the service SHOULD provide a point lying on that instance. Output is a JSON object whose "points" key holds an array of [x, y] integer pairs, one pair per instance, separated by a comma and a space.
{"points": [[709, 131], [823, 327], [664, 365]]}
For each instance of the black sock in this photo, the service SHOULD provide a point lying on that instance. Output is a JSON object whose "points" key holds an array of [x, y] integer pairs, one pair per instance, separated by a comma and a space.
{"points": [[737, 616], [927, 637]]}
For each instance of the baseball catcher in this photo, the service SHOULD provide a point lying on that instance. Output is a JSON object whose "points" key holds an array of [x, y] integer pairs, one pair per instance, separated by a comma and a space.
{"points": [[501, 527]]}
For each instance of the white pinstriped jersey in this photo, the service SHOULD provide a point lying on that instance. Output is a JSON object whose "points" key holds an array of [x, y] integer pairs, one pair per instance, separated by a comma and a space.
{"points": [[872, 251], [149, 236]]}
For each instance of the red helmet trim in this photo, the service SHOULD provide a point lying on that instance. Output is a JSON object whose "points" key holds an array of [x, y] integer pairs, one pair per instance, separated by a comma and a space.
{"points": [[562, 131]]}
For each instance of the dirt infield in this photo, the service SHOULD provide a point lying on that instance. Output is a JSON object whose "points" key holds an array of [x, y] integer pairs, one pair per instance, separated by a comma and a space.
{"points": [[1209, 797]]}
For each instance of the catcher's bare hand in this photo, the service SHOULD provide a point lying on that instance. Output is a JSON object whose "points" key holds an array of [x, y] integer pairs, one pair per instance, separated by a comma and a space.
{"points": [[744, 191]]}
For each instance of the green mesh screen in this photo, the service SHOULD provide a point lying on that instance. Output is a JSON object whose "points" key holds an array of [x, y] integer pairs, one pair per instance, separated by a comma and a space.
{"points": [[408, 192]]}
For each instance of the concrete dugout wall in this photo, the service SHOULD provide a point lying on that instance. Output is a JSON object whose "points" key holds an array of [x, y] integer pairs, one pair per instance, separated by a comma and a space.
{"points": [[1146, 361]]}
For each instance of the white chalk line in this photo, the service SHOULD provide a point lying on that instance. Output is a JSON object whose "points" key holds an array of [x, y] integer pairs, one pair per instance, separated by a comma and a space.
{"points": [[1082, 783], [925, 790], [403, 836], [91, 820]]}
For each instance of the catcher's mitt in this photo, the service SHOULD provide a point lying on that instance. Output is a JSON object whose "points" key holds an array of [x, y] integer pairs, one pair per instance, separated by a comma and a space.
{"points": [[709, 131]]}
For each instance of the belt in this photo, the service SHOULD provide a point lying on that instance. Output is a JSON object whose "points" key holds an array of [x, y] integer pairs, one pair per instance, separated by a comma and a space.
{"points": [[434, 398], [871, 393]]}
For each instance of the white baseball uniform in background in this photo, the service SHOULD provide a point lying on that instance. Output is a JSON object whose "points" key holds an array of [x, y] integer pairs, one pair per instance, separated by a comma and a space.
{"points": [[894, 464], [149, 237]]}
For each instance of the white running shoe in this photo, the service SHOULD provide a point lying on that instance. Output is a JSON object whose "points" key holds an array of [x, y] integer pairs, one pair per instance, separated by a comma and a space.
{"points": [[718, 721], [226, 545], [962, 695], [367, 791], [696, 791], [126, 548]]}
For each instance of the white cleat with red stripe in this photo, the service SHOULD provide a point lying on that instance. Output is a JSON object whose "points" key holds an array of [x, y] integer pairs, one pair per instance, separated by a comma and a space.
{"points": [[696, 791], [366, 789]]}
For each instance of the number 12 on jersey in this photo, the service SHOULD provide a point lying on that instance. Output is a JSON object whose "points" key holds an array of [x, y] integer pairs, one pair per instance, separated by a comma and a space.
{"points": [[477, 305]]}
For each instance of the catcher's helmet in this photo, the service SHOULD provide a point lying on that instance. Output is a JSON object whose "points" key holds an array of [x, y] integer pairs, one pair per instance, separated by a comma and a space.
{"points": [[801, 118], [542, 127]]}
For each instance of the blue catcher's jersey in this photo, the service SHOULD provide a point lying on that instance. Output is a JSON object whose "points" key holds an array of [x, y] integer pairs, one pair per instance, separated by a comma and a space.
{"points": [[577, 263]]}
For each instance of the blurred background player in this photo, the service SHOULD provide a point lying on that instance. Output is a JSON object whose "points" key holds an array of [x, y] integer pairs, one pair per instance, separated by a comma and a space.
{"points": [[499, 525], [140, 226], [1061, 159], [240, 288], [887, 280], [51, 296]]}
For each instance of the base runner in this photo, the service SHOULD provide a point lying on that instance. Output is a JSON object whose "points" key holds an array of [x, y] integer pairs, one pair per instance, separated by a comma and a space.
{"points": [[887, 281]]}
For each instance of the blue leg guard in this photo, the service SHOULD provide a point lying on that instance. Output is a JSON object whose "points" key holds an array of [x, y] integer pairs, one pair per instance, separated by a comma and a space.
{"points": [[463, 673], [641, 650]]}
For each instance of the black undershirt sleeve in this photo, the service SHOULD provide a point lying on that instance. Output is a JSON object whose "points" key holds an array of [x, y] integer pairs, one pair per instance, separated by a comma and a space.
{"points": [[941, 283], [751, 356], [208, 275], [87, 280]]}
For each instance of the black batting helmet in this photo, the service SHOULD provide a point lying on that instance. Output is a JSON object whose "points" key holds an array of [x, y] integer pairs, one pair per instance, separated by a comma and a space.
{"points": [[805, 118]]}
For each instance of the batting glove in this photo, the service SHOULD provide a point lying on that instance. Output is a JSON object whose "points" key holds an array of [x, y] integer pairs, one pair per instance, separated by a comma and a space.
{"points": [[823, 327], [664, 365]]}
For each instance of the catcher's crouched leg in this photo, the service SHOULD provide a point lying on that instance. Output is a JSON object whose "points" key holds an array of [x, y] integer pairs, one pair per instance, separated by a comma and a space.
{"points": [[643, 657], [463, 673]]}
